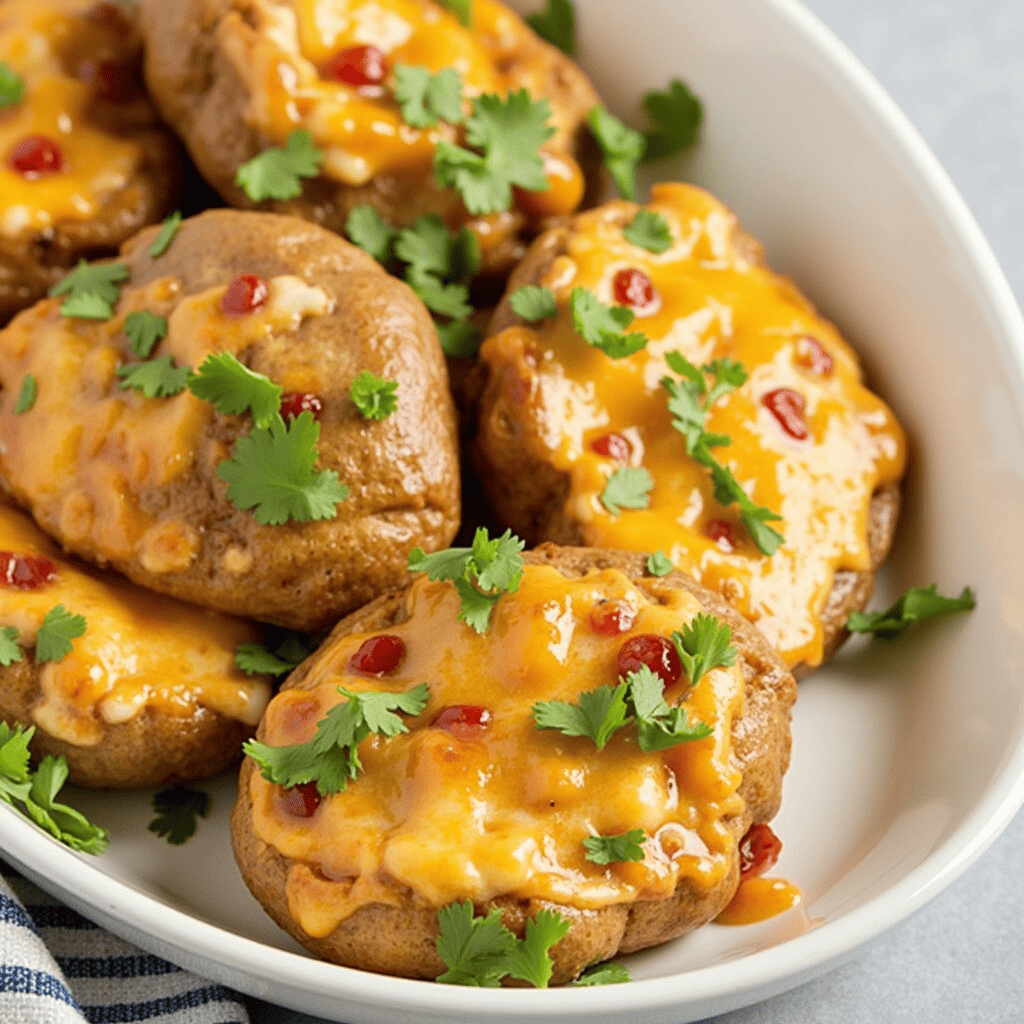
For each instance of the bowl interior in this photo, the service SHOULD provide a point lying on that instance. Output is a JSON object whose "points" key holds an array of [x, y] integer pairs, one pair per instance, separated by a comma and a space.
{"points": [[908, 757]]}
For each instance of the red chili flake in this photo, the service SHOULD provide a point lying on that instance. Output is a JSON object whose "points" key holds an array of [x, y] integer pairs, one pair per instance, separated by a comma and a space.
{"points": [[635, 289], [656, 652], [721, 532], [358, 66], [610, 618], [463, 721], [294, 402], [35, 156], [759, 850], [246, 294], [612, 446], [378, 655], [811, 355], [26, 572], [301, 801], [787, 406]]}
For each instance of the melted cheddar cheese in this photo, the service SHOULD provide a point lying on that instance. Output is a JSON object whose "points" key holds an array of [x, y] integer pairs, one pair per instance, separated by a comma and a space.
{"points": [[139, 650], [505, 812], [279, 49], [46, 44], [713, 302], [88, 451]]}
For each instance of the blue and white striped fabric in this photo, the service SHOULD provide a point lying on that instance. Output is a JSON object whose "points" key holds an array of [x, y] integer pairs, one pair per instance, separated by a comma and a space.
{"points": [[58, 968]]}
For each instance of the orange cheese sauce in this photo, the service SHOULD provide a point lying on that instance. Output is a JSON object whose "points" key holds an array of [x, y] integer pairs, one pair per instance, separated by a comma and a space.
{"points": [[714, 304], [506, 812], [757, 899], [88, 451], [34, 38], [139, 650], [361, 130]]}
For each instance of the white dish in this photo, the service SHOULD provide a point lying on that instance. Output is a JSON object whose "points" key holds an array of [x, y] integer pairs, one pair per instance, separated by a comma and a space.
{"points": [[908, 758]]}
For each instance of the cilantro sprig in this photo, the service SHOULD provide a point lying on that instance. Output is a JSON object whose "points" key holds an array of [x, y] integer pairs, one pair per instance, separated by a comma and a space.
{"points": [[143, 330], [556, 24], [462, 9], [374, 397], [373, 235], [56, 633], [12, 86], [277, 173], [255, 659], [627, 487], [27, 394], [426, 98], [331, 758], [10, 652], [157, 378], [234, 389], [611, 849], [702, 644], [621, 147], [690, 401], [168, 230], [602, 326], [35, 793], [607, 973], [533, 303], [916, 605], [480, 574], [273, 472], [659, 564], [603, 711], [677, 115], [649, 230], [90, 290], [480, 951], [506, 134], [178, 810]]}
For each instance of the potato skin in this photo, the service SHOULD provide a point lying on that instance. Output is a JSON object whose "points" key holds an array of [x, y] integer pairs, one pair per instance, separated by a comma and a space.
{"points": [[402, 472], [31, 263], [528, 494], [200, 94], [402, 939]]}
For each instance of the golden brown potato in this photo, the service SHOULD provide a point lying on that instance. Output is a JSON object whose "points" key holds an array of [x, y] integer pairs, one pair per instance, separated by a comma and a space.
{"points": [[137, 482], [146, 692], [85, 161], [235, 77], [475, 802], [560, 424]]}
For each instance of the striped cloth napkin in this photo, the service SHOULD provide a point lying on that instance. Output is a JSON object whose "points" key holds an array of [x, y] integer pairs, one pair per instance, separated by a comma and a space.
{"points": [[58, 968]]}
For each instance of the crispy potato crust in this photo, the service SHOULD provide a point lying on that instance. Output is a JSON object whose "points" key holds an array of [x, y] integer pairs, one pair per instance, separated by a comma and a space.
{"points": [[402, 939]]}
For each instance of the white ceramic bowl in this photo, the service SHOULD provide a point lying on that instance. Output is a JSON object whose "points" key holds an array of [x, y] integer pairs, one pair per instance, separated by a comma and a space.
{"points": [[908, 758]]}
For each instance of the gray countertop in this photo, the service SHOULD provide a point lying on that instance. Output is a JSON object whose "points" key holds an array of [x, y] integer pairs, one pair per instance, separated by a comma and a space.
{"points": [[956, 67]]}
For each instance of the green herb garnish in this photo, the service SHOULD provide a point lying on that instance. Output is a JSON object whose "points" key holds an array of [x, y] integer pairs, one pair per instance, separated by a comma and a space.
{"points": [[603, 974], [235, 389], [598, 714], [678, 114], [556, 25], [602, 326], [916, 605], [533, 303], [91, 289], [278, 173], [331, 757], [703, 644], [157, 378], [59, 627], [143, 330], [12, 86], [165, 235], [26, 394], [373, 396], [425, 98], [365, 228], [659, 564], [627, 487], [621, 147], [10, 652], [650, 231], [462, 9], [254, 659], [609, 849]]}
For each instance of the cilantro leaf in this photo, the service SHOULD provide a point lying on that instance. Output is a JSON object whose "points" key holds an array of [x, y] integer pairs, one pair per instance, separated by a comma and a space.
{"points": [[703, 644], [158, 378], [474, 949], [916, 605], [436, 259], [608, 849], [272, 471], [59, 627], [143, 330], [533, 303], [278, 173], [235, 389], [331, 758], [556, 25], [254, 659], [650, 231], [459, 340], [374, 396], [12, 86], [462, 9], [366, 229], [10, 652], [755, 517], [599, 713], [36, 792], [659, 564], [177, 811], [426, 98], [480, 951], [99, 279], [603, 974], [26, 394], [678, 114], [509, 132], [601, 326], [165, 235], [481, 574], [86, 306], [621, 147], [627, 487], [530, 960], [657, 725]]}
